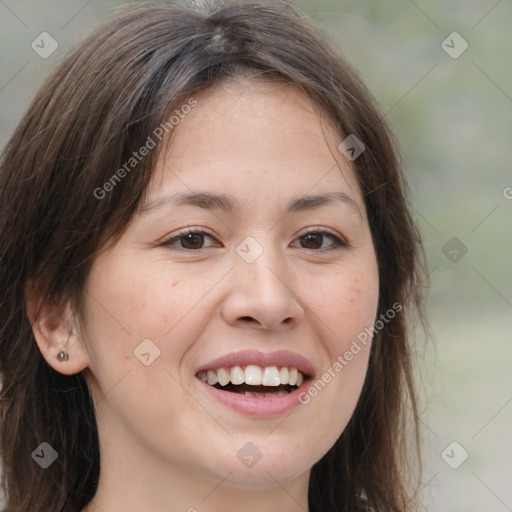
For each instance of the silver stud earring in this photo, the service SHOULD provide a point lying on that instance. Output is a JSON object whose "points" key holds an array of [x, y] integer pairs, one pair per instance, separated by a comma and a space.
{"points": [[62, 356]]}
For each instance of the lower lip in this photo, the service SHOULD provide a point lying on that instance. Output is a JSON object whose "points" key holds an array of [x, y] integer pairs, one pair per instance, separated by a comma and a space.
{"points": [[266, 406]]}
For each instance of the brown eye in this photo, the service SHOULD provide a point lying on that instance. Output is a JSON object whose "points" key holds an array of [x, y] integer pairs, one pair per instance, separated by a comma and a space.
{"points": [[315, 240], [190, 240], [312, 241]]}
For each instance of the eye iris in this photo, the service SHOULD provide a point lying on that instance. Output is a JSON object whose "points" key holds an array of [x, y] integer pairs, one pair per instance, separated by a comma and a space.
{"points": [[310, 240], [196, 241]]}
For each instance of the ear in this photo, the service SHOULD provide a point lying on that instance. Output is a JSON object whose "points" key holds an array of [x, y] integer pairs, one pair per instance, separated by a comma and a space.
{"points": [[54, 331]]}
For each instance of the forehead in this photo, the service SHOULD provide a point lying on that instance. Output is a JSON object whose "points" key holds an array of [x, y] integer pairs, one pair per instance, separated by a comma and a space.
{"points": [[254, 136]]}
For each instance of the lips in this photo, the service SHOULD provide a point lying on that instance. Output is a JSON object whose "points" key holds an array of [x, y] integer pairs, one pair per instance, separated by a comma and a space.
{"points": [[256, 383]]}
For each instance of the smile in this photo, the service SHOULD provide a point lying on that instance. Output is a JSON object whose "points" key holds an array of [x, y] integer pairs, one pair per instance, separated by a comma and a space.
{"points": [[253, 380], [256, 383]]}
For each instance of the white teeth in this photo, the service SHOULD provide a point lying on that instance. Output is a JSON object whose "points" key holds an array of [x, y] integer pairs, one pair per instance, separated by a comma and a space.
{"points": [[224, 376], [283, 375], [253, 375], [237, 375], [292, 379], [271, 376], [211, 377]]}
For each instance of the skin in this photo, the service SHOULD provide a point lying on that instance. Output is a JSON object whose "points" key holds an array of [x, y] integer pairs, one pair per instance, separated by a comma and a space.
{"points": [[164, 441]]}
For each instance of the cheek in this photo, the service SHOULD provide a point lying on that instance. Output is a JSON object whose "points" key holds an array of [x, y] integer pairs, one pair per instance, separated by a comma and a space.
{"points": [[125, 307], [346, 303]]}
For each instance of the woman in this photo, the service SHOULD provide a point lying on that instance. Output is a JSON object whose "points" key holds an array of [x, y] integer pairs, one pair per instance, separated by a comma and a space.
{"points": [[207, 258]]}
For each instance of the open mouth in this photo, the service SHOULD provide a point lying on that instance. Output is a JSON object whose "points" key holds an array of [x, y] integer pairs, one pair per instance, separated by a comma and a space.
{"points": [[255, 381]]}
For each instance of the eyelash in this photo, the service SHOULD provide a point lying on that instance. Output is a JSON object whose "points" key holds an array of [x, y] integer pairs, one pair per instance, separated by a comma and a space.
{"points": [[339, 243]]}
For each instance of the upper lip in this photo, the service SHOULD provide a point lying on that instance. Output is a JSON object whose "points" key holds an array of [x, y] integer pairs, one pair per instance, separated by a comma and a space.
{"points": [[255, 357]]}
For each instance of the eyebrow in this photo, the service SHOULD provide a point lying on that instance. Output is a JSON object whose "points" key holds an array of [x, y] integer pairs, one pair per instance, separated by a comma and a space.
{"points": [[228, 203]]}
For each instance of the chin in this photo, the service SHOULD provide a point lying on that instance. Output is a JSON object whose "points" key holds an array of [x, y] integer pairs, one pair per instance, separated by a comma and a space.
{"points": [[258, 465]]}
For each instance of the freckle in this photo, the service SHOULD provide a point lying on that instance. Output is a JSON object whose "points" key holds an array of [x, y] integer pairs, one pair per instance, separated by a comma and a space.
{"points": [[174, 284]]}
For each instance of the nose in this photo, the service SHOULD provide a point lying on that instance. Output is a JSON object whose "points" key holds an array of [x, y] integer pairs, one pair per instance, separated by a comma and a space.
{"points": [[260, 294]]}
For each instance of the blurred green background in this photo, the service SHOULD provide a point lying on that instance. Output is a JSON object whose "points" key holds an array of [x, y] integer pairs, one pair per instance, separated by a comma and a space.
{"points": [[452, 113]]}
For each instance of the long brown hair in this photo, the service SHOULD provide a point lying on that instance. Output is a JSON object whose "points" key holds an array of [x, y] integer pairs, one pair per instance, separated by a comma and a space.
{"points": [[101, 104]]}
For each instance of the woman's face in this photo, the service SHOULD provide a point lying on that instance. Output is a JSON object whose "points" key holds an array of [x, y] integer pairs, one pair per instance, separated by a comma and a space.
{"points": [[252, 296]]}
